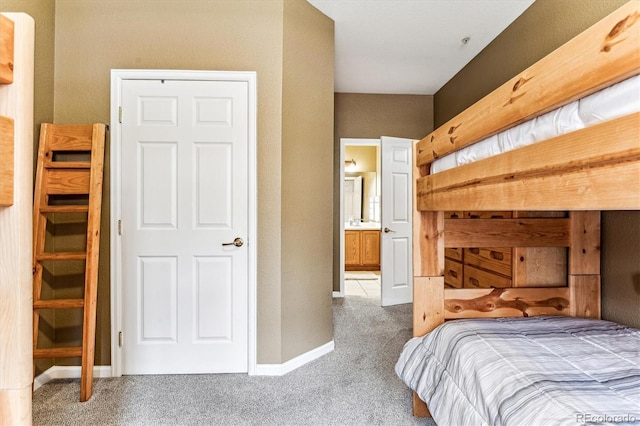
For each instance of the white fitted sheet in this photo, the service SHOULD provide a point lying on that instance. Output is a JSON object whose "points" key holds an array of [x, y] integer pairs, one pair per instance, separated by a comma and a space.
{"points": [[612, 102]]}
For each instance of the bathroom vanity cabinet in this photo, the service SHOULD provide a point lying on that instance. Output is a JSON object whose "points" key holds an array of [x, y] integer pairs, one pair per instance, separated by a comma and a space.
{"points": [[362, 250]]}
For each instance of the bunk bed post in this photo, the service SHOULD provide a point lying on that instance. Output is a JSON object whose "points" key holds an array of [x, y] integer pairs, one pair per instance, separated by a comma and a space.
{"points": [[584, 264], [428, 275]]}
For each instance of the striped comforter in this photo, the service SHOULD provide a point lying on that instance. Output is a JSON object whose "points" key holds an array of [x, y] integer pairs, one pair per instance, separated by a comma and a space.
{"points": [[526, 371]]}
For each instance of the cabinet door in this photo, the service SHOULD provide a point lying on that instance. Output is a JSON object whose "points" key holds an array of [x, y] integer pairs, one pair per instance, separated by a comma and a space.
{"points": [[351, 247], [370, 247]]}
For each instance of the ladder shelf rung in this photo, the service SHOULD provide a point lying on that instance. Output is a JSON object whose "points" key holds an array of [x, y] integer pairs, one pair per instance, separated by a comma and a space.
{"points": [[67, 165], [58, 304], [62, 256], [58, 352], [64, 209]]}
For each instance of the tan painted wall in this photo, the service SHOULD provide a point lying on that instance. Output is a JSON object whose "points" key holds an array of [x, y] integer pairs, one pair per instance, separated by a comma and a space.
{"points": [[364, 156], [621, 267], [307, 160], [372, 116], [542, 28], [546, 25], [94, 37]]}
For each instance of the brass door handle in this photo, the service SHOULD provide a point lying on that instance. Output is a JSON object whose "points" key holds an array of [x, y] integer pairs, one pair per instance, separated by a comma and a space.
{"points": [[237, 242], [387, 230]]}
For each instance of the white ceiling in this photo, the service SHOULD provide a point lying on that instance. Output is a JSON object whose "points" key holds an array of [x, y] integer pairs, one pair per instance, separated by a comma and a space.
{"points": [[411, 46]]}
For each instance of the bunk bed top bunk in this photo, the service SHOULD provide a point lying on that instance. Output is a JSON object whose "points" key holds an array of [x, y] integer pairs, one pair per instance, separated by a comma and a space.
{"points": [[581, 171], [583, 165]]}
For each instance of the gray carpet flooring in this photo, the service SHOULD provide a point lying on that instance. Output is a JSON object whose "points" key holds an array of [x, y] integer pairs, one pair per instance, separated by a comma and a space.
{"points": [[353, 385]]}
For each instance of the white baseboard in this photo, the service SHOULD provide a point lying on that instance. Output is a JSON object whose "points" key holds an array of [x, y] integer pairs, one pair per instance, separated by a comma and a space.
{"points": [[68, 372], [338, 294], [101, 371], [292, 364]]}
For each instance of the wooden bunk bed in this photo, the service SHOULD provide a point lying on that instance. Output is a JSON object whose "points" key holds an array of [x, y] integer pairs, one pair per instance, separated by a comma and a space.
{"points": [[583, 172]]}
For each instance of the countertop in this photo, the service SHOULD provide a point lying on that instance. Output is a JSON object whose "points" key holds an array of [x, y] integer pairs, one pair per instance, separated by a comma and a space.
{"points": [[362, 226]]}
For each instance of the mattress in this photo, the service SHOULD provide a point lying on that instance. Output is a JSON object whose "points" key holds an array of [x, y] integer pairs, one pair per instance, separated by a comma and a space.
{"points": [[612, 102], [526, 371]]}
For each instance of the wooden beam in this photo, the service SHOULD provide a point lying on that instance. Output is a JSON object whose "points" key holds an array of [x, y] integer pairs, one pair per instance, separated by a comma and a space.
{"points": [[506, 232], [584, 254], [607, 52], [6, 161], [428, 306], [6, 49], [576, 171], [428, 237], [420, 407], [504, 302], [16, 362], [585, 296], [428, 244], [15, 406]]}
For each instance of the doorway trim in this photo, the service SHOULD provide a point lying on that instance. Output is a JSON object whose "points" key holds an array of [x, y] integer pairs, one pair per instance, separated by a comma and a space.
{"points": [[343, 143], [117, 77]]}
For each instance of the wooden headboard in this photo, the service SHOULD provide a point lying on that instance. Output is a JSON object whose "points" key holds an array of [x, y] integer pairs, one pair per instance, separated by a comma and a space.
{"points": [[583, 172]]}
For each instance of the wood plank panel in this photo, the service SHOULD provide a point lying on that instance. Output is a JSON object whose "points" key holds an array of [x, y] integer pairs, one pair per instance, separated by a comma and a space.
{"points": [[477, 278], [506, 232], [497, 259], [607, 52], [539, 266], [74, 181], [428, 307], [7, 33], [584, 253], [15, 406], [581, 190], [6, 160], [420, 407], [502, 302], [428, 244], [576, 171], [69, 137], [428, 236], [453, 273], [585, 296]]}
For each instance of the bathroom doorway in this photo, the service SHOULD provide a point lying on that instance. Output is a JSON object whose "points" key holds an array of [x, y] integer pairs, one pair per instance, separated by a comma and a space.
{"points": [[360, 218], [376, 215]]}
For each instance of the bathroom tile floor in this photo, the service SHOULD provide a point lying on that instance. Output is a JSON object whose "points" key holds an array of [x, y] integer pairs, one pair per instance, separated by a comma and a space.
{"points": [[362, 284]]}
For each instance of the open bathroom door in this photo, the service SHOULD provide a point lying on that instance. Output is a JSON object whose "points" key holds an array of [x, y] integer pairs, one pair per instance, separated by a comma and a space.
{"points": [[396, 239]]}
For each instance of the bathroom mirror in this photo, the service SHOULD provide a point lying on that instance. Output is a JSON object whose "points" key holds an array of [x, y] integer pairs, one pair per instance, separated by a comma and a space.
{"points": [[361, 199]]}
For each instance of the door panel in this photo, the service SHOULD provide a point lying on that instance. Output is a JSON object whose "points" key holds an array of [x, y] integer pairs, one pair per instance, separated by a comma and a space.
{"points": [[184, 194], [396, 247], [157, 167], [158, 299]]}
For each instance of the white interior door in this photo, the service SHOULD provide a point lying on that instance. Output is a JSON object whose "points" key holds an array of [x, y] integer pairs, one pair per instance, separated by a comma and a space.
{"points": [[396, 237], [184, 196]]}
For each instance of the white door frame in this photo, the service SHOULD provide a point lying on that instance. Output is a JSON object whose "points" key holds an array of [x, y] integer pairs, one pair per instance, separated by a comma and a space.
{"points": [[117, 77], [343, 143]]}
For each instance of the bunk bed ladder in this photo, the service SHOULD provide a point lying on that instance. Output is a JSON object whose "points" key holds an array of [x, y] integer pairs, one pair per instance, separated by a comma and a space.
{"points": [[69, 181]]}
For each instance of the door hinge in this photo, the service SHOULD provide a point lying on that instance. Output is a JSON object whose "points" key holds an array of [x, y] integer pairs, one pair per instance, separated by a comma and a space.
{"points": [[120, 115], [120, 338], [119, 227]]}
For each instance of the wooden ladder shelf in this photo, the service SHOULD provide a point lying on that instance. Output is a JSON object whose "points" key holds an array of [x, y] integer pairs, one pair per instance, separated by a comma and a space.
{"points": [[59, 182]]}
